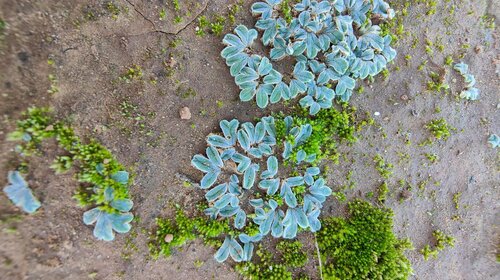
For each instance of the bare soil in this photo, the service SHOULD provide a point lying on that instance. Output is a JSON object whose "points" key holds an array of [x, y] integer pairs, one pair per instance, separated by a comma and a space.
{"points": [[139, 121]]}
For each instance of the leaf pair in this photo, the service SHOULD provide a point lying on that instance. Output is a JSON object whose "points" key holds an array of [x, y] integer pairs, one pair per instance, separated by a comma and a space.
{"points": [[231, 247]]}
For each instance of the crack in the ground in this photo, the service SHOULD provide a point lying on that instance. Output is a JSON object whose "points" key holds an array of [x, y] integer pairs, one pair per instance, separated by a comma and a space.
{"points": [[161, 31]]}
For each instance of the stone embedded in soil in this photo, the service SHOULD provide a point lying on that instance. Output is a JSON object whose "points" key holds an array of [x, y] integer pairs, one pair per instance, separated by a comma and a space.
{"points": [[185, 113], [169, 238], [404, 97]]}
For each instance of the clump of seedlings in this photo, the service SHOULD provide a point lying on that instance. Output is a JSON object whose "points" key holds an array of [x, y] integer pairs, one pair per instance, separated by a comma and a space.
{"points": [[442, 241], [104, 180], [439, 128], [133, 73], [383, 167]]}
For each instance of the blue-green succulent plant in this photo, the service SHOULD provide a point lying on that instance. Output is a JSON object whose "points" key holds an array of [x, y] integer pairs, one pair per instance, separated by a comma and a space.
{"points": [[340, 31], [113, 213], [20, 194], [470, 92], [494, 140], [245, 154]]}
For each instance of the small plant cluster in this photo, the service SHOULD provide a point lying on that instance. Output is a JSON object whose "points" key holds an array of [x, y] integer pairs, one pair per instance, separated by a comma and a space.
{"points": [[133, 73], [439, 128], [239, 154], [270, 267], [171, 234], [328, 127], [470, 92], [494, 140], [104, 180], [442, 241], [363, 246], [383, 167], [341, 32], [218, 24]]}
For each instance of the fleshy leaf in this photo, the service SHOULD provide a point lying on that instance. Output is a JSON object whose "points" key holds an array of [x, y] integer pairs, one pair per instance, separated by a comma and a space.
{"points": [[121, 177], [20, 194], [106, 223]]}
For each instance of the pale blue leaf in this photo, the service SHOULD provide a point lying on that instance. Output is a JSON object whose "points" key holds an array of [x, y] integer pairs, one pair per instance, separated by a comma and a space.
{"points": [[249, 176], [20, 194], [247, 251], [274, 77], [243, 140], [216, 192], [219, 141], [201, 163], [223, 201], [270, 185], [240, 219], [121, 177], [214, 157], [209, 179], [229, 211], [106, 223], [462, 68], [123, 205], [494, 140]]}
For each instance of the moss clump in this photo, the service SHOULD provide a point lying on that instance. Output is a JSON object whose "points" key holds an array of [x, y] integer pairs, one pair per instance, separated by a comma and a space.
{"points": [[96, 164], [383, 167], [329, 127], [174, 233], [439, 128], [264, 268], [363, 246], [383, 190], [292, 253], [442, 241], [267, 265]]}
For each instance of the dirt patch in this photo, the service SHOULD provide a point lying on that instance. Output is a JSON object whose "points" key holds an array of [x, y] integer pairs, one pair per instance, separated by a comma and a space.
{"points": [[93, 47]]}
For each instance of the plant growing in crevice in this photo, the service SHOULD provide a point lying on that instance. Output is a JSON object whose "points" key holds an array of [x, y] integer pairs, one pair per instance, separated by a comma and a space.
{"points": [[442, 241]]}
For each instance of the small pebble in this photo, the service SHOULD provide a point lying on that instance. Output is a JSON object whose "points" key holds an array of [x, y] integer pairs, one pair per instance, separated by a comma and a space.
{"points": [[168, 238], [414, 112], [404, 97], [376, 114], [185, 113]]}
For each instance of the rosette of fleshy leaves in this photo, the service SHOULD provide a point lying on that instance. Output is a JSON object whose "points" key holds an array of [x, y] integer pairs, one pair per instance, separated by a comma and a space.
{"points": [[470, 92], [341, 31], [113, 210], [239, 152]]}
